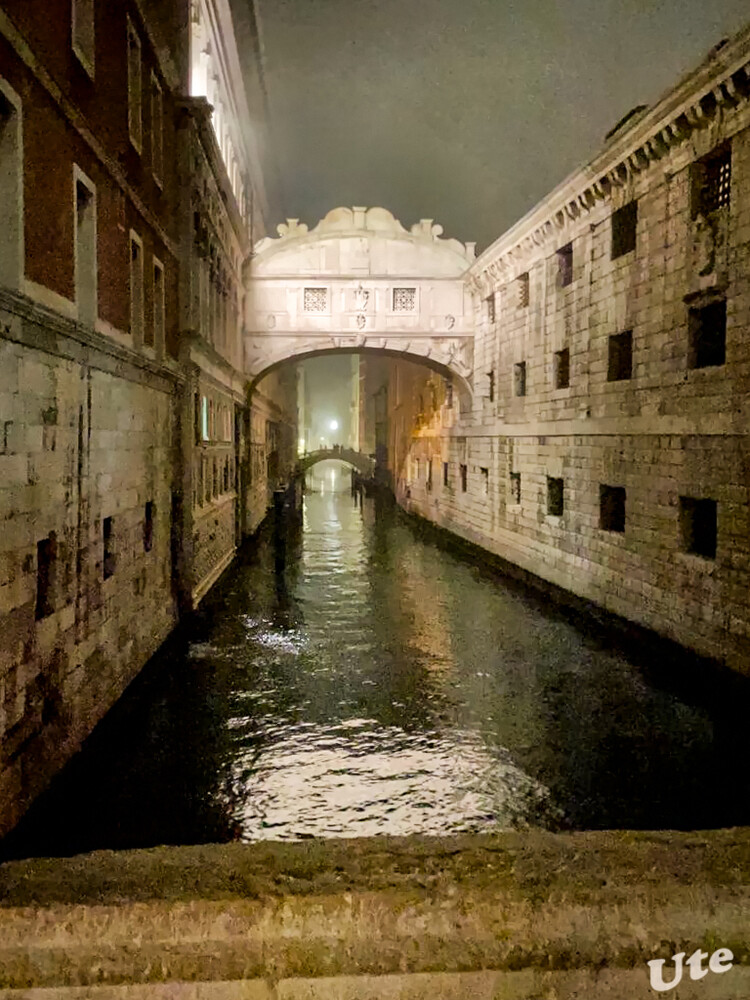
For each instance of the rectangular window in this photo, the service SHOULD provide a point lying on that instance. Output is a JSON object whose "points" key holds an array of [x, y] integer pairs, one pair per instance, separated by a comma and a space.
{"points": [[46, 552], [84, 255], [445, 473], [157, 130], [148, 526], [522, 290], [157, 330], [196, 418], [404, 299], [565, 265], [620, 356], [315, 300], [491, 385], [108, 540], [624, 225], [707, 327], [711, 182], [698, 526], [562, 368], [136, 289], [519, 378], [11, 188], [429, 473], [485, 474], [612, 508], [515, 488], [135, 73], [464, 475], [204, 418], [489, 307], [448, 394], [555, 497], [82, 33]]}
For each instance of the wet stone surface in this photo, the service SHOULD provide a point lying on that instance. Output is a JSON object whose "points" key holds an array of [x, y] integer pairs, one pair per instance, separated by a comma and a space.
{"points": [[351, 678]]}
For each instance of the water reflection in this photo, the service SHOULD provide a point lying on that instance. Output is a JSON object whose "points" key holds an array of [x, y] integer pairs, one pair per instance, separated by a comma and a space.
{"points": [[363, 681]]}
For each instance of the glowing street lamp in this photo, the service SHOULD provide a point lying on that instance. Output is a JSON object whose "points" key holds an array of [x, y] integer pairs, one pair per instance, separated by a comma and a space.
{"points": [[333, 425]]}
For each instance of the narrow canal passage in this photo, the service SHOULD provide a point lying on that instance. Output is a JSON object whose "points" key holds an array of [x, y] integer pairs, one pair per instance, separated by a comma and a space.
{"points": [[379, 683]]}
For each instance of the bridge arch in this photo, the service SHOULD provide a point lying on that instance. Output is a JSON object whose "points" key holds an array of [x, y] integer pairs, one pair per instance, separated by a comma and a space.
{"points": [[461, 384], [364, 464], [360, 282]]}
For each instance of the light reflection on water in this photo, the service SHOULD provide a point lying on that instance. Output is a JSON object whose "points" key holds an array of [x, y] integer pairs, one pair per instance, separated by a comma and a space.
{"points": [[334, 781], [365, 681]]}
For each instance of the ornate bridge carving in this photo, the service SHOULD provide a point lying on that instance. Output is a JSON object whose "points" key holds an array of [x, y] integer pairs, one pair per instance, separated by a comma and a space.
{"points": [[360, 281]]}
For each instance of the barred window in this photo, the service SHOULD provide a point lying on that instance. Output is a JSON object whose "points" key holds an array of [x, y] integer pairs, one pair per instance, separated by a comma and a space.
{"points": [[490, 307], [316, 300], [522, 290], [404, 299], [711, 182]]}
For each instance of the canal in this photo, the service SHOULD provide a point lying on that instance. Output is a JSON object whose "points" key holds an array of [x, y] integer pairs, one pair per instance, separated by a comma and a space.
{"points": [[352, 676]]}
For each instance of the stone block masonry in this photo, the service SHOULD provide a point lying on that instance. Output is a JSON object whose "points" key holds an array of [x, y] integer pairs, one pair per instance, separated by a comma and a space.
{"points": [[606, 448], [512, 916], [85, 547]]}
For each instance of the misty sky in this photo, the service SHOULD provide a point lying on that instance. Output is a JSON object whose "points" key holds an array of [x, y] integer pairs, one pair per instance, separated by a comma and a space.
{"points": [[464, 111]]}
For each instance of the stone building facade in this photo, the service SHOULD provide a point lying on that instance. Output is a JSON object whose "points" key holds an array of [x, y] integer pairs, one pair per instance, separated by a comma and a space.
{"points": [[126, 216], [606, 446]]}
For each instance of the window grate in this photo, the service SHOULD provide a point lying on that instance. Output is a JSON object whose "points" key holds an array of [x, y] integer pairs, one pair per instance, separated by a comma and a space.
{"points": [[404, 299], [711, 182], [522, 290], [316, 300], [717, 183]]}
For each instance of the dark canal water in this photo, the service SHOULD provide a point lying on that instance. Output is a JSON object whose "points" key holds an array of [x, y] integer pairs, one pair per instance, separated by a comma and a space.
{"points": [[380, 683]]}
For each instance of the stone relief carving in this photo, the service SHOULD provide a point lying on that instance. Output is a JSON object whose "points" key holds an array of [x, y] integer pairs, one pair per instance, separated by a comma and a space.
{"points": [[271, 322], [361, 298], [450, 322], [375, 220], [361, 321]]}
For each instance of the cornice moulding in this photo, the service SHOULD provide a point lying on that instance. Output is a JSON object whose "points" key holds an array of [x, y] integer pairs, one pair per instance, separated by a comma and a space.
{"points": [[721, 81]]}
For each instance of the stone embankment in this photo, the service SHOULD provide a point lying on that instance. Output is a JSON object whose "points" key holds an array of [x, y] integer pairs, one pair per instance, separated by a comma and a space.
{"points": [[531, 916]]}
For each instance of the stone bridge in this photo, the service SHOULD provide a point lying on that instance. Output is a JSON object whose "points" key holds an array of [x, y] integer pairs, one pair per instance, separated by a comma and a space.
{"points": [[359, 281], [364, 464]]}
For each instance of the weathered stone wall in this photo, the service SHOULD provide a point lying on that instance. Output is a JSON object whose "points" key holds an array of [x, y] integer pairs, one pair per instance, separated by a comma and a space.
{"points": [[85, 437], [124, 227], [668, 427], [530, 916]]}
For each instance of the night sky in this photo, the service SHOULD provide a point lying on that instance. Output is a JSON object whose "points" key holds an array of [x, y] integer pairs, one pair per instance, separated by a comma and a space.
{"points": [[464, 111]]}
